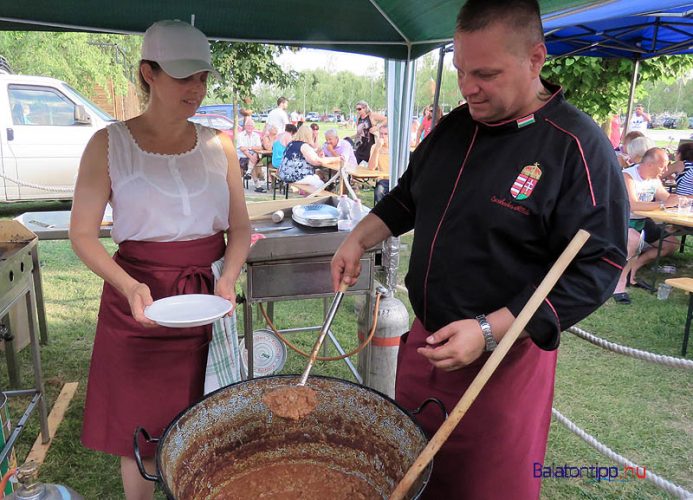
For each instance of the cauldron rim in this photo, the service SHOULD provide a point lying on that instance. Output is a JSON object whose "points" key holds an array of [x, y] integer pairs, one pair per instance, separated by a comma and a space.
{"points": [[169, 428]]}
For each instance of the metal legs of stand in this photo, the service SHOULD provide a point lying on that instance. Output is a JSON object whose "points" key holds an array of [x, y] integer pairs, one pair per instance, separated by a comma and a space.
{"points": [[686, 332]]}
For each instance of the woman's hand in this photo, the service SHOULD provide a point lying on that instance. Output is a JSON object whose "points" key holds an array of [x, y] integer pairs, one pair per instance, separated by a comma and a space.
{"points": [[226, 289], [139, 296]]}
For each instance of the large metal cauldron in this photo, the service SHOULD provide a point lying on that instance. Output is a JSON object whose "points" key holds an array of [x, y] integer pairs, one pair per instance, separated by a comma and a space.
{"points": [[353, 429]]}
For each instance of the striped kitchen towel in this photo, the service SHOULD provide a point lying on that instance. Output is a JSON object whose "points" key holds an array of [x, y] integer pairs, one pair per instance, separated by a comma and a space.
{"points": [[223, 359]]}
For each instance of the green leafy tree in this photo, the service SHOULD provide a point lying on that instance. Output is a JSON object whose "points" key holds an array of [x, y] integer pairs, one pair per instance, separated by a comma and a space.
{"points": [[600, 87], [80, 59], [242, 65]]}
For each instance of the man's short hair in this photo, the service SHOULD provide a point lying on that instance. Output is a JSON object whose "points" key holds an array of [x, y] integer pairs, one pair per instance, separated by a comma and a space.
{"points": [[520, 15], [650, 155], [281, 100], [290, 128], [331, 131]]}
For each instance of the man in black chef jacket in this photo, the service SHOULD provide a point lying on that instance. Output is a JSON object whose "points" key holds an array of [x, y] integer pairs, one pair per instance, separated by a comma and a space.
{"points": [[494, 194]]}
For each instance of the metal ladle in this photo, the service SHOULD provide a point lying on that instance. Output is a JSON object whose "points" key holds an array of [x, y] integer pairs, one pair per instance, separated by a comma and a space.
{"points": [[295, 402]]}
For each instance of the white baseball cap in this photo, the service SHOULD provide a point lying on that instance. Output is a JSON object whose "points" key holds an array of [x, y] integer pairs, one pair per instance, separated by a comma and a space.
{"points": [[179, 48]]}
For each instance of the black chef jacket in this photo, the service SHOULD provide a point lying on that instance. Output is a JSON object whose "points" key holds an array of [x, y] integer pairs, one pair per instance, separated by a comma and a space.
{"points": [[494, 205]]}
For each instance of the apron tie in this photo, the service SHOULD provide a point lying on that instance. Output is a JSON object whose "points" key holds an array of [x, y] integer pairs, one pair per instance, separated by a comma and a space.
{"points": [[194, 278]]}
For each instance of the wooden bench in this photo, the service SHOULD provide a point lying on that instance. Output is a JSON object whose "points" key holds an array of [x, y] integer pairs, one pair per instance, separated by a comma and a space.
{"points": [[685, 284]]}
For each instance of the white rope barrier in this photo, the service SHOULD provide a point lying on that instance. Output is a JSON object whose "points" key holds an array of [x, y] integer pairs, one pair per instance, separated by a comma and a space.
{"points": [[38, 186], [605, 450], [629, 351]]}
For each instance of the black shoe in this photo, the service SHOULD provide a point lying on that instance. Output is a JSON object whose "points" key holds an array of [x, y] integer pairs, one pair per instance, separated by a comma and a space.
{"points": [[260, 190], [643, 285], [621, 298]]}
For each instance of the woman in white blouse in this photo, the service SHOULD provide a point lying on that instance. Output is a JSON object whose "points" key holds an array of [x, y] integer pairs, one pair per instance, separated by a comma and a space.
{"points": [[175, 189]]}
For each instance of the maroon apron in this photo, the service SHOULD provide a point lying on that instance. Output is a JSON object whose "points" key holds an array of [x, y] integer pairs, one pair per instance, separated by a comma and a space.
{"points": [[145, 376], [491, 453]]}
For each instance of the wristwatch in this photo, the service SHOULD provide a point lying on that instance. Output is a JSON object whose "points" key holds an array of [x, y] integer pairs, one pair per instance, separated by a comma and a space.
{"points": [[491, 343]]}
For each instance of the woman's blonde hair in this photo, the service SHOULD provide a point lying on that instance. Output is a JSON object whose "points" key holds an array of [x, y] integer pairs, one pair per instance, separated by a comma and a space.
{"points": [[304, 134]]}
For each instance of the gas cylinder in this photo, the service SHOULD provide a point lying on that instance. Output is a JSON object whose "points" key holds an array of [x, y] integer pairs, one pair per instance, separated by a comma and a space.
{"points": [[378, 361], [31, 489]]}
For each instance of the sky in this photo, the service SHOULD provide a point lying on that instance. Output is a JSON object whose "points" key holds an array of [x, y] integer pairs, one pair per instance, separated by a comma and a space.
{"points": [[306, 59]]}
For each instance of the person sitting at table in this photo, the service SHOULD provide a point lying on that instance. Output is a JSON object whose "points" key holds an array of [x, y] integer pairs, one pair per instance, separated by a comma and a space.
{"points": [[682, 168], [300, 159], [380, 160], [645, 193], [637, 148], [269, 135], [622, 153], [249, 143], [335, 147], [279, 144]]}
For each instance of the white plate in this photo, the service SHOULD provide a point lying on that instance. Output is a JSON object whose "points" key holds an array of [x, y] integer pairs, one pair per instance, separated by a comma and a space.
{"points": [[186, 311]]}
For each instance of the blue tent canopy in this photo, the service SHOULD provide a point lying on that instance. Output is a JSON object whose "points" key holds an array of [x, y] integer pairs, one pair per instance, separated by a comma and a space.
{"points": [[632, 29]]}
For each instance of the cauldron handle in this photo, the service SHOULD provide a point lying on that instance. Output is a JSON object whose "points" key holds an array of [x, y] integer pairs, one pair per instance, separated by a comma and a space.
{"points": [[138, 455], [428, 401]]}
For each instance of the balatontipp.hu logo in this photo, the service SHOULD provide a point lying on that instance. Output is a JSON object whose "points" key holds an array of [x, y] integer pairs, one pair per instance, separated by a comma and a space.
{"points": [[595, 472]]}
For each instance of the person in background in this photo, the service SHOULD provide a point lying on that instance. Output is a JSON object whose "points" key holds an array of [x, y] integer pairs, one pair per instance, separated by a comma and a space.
{"points": [[427, 123], [413, 133], [622, 155], [380, 161], [300, 159], [335, 147], [278, 116], [640, 120], [366, 126], [645, 193], [682, 168], [295, 118], [268, 137], [637, 148], [615, 130], [279, 144], [249, 143], [485, 235], [175, 188], [315, 143]]}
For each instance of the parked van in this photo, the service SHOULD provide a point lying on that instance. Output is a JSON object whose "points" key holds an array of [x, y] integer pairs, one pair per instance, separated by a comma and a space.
{"points": [[217, 109], [46, 125]]}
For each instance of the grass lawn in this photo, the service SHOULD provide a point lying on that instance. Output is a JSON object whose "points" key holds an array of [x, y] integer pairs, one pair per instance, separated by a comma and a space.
{"points": [[640, 410]]}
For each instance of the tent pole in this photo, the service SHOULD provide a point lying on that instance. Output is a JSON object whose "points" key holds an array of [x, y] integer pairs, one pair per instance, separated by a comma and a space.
{"points": [[439, 79], [631, 96]]}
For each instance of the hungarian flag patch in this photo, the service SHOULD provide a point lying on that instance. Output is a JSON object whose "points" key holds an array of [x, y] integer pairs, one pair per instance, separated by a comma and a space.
{"points": [[526, 182]]}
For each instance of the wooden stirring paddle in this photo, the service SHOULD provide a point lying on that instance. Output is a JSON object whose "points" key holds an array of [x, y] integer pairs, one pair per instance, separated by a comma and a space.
{"points": [[296, 401], [490, 366]]}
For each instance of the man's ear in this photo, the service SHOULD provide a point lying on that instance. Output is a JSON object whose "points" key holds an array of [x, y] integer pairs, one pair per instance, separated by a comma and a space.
{"points": [[537, 58]]}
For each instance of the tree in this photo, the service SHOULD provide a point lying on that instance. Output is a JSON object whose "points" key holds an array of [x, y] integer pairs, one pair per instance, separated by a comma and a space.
{"points": [[242, 65], [80, 59], [600, 87]]}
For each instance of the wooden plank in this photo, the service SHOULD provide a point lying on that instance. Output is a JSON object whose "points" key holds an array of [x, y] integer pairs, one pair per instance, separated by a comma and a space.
{"points": [[39, 450], [264, 209]]}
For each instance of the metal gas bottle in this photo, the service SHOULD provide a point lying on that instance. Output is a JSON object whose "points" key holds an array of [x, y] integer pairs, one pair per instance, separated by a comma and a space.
{"points": [[31, 489], [378, 361]]}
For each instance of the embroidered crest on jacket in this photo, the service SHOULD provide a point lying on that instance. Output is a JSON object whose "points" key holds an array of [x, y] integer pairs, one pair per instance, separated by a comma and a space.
{"points": [[526, 182]]}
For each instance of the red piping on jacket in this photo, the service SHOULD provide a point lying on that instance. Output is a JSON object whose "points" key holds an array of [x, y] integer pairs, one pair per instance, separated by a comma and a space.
{"points": [[612, 263], [582, 155], [440, 223], [558, 320]]}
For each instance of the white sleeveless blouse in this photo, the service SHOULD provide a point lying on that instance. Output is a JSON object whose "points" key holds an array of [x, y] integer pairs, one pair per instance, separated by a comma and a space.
{"points": [[158, 197]]}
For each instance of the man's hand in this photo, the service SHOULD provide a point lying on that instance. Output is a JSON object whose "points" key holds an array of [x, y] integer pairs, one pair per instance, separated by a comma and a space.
{"points": [[346, 263], [455, 345]]}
